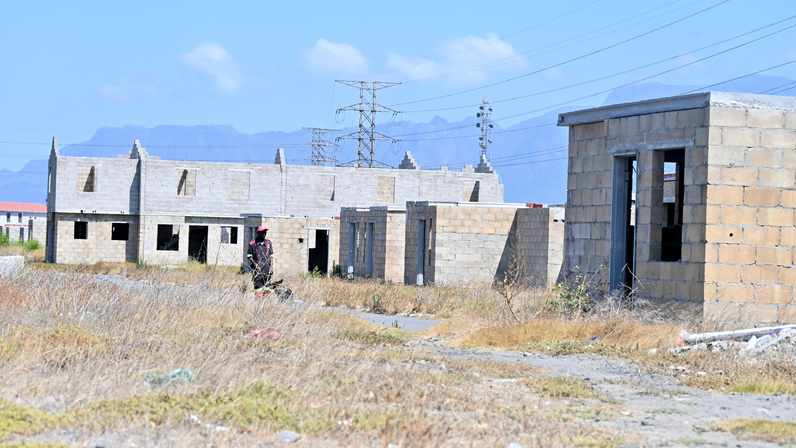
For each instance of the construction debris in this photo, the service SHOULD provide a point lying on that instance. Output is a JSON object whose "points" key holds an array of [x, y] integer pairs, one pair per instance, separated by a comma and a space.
{"points": [[753, 341], [177, 375], [735, 335]]}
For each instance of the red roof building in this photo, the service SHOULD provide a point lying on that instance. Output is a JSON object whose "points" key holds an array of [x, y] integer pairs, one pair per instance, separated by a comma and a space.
{"points": [[25, 207]]}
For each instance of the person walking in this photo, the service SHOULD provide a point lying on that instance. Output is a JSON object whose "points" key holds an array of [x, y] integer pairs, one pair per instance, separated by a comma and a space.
{"points": [[260, 255]]}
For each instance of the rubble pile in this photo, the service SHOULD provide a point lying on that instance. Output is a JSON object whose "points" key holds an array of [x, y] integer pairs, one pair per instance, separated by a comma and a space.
{"points": [[751, 342]]}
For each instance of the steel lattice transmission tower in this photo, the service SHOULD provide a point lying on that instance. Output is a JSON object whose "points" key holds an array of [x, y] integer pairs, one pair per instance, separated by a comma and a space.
{"points": [[367, 107], [485, 124], [321, 147]]}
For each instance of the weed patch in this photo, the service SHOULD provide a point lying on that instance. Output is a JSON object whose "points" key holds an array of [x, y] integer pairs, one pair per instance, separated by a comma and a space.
{"points": [[372, 337], [563, 387], [765, 430]]}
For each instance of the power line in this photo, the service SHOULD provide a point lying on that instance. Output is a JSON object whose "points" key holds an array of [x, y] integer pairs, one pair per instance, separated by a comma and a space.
{"points": [[611, 28], [757, 72], [553, 19], [612, 75], [321, 147], [655, 75], [367, 107], [567, 61], [532, 162], [783, 88]]}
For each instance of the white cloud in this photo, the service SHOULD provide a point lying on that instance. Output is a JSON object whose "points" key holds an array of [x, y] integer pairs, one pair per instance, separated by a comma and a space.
{"points": [[414, 68], [463, 60], [333, 57], [215, 61]]}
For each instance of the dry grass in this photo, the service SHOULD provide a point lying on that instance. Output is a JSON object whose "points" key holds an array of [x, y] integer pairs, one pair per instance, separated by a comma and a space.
{"points": [[31, 255], [478, 317], [728, 372], [598, 333], [766, 430], [77, 350]]}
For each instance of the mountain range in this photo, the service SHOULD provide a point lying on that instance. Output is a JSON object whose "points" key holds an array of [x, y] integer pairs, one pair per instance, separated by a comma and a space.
{"points": [[529, 155]]}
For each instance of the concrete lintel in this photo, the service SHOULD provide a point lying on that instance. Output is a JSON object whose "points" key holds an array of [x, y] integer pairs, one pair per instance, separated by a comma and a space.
{"points": [[627, 149], [668, 104], [467, 204]]}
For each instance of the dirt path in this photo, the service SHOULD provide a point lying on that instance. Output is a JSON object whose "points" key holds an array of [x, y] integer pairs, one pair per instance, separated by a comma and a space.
{"points": [[656, 410]]}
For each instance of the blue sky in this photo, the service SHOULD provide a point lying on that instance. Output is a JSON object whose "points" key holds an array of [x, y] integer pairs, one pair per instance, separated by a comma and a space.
{"points": [[71, 67]]}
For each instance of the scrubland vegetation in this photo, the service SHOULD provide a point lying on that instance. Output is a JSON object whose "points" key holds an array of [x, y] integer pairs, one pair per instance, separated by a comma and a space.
{"points": [[78, 345]]}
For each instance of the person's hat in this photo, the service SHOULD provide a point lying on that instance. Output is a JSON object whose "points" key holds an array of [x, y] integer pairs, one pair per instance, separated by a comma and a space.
{"points": [[262, 228]]}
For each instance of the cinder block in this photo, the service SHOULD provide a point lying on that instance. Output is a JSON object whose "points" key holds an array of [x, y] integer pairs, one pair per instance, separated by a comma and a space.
{"points": [[755, 274], [761, 197], [731, 155], [779, 294], [786, 275], [723, 233], [786, 314], [724, 194], [735, 292], [740, 137], [775, 216], [721, 273], [776, 177], [739, 175], [787, 236], [788, 198], [778, 138], [790, 120], [738, 215], [761, 235], [727, 116], [773, 255], [736, 254], [764, 157], [765, 118]]}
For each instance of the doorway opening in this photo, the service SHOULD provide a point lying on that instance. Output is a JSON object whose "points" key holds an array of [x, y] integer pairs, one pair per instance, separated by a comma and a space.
{"points": [[421, 252], [369, 271], [318, 259], [623, 224], [197, 243]]}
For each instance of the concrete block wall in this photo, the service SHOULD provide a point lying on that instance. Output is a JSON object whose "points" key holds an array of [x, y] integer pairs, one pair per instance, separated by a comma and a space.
{"points": [[467, 243], [98, 246], [116, 187], [292, 237], [416, 262], [751, 200], [138, 185], [229, 189], [389, 228], [218, 254], [538, 240], [592, 148]]}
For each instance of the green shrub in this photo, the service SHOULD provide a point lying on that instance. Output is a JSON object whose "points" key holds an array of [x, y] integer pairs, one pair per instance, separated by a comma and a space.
{"points": [[31, 245], [573, 297], [3, 239]]}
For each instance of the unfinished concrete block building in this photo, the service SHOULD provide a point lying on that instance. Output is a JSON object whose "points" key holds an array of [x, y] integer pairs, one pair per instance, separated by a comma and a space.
{"points": [[142, 209], [479, 244], [725, 238], [372, 242]]}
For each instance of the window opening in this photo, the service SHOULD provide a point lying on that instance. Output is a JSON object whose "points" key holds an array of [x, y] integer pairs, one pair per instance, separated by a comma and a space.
{"points": [[168, 237], [81, 230]]}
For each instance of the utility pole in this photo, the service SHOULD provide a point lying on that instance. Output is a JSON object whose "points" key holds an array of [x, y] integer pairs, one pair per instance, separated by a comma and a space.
{"points": [[321, 146], [485, 125], [367, 107]]}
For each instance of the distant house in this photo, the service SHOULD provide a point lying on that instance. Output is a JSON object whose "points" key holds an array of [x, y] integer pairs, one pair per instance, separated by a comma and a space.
{"points": [[23, 221]]}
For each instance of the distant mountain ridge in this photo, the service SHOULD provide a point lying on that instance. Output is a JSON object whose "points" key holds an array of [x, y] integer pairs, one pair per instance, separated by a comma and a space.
{"points": [[540, 177]]}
